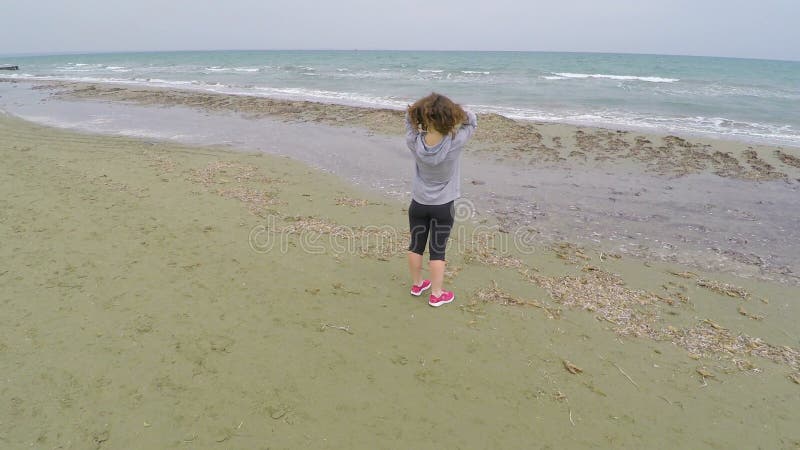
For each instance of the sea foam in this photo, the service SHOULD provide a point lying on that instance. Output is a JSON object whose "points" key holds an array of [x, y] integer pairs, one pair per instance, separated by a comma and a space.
{"points": [[568, 75]]}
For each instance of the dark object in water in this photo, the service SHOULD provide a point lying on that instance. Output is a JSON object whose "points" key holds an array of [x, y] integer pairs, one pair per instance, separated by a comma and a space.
{"points": [[9, 67]]}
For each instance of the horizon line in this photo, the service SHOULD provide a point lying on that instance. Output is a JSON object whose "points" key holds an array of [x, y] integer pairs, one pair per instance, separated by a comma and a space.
{"points": [[109, 52]]}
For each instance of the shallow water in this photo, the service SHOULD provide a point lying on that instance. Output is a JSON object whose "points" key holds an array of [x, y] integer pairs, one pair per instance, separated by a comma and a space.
{"points": [[724, 97]]}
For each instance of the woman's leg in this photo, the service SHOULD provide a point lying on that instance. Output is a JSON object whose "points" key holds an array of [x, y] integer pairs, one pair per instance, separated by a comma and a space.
{"points": [[415, 267], [441, 224], [437, 267], [418, 222]]}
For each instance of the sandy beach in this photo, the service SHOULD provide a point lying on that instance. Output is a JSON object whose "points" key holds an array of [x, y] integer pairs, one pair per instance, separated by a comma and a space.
{"points": [[709, 204], [197, 290]]}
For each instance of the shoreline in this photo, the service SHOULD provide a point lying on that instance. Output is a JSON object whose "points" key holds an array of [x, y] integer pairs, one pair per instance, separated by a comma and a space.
{"points": [[139, 256], [717, 206], [651, 131], [542, 139]]}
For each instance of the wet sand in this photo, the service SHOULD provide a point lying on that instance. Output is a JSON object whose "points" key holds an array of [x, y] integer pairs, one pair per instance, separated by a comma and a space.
{"points": [[144, 307], [522, 142]]}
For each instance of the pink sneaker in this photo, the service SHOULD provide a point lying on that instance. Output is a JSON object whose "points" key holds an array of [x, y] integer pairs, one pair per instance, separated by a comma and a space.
{"points": [[443, 299], [417, 290]]}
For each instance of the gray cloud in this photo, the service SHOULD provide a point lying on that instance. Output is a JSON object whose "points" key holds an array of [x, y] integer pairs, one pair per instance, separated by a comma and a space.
{"points": [[765, 29]]}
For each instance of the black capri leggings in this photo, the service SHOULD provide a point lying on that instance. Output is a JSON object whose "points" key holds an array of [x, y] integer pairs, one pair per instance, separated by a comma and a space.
{"points": [[433, 220]]}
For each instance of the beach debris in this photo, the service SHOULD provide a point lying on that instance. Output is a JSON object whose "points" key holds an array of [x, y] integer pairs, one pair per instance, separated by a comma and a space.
{"points": [[744, 312], [626, 375], [571, 368], [223, 172], [494, 294], [570, 417], [100, 437], [325, 326], [675, 294], [400, 360], [761, 170], [500, 135], [278, 411], [559, 396], [633, 312], [594, 389], [351, 202], [228, 172], [666, 399], [708, 338], [256, 200], [604, 256], [795, 377], [621, 371], [569, 252], [115, 186], [472, 308], [381, 243], [683, 274], [789, 160], [311, 224], [745, 366], [704, 374], [162, 163], [481, 249], [451, 272], [723, 288], [340, 287]]}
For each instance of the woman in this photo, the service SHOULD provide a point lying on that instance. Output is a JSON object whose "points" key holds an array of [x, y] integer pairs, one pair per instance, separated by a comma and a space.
{"points": [[436, 131]]}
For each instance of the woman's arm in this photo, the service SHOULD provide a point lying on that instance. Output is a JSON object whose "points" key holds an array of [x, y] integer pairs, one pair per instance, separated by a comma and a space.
{"points": [[465, 132], [411, 134]]}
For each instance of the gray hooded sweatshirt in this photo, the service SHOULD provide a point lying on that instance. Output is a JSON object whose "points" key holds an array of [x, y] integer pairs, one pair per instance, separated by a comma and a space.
{"points": [[437, 177]]}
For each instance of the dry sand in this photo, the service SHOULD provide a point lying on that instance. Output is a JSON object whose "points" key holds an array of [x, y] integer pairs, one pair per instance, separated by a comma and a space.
{"points": [[136, 314]]}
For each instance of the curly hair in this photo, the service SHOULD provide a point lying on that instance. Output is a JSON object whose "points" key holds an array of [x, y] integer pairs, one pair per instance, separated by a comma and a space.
{"points": [[438, 112]]}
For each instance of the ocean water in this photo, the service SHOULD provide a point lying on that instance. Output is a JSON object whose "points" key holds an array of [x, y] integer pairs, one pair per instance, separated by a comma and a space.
{"points": [[750, 100]]}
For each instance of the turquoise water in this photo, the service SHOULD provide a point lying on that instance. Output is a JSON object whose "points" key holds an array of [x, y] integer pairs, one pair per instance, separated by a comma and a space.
{"points": [[753, 100]]}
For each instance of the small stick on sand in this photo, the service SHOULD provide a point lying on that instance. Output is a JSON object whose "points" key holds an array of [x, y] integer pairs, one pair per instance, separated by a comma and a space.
{"points": [[621, 371], [609, 320], [336, 327], [626, 375], [570, 417]]}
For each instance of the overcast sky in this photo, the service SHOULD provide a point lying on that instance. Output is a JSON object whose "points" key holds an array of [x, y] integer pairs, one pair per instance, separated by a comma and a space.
{"points": [[760, 29]]}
